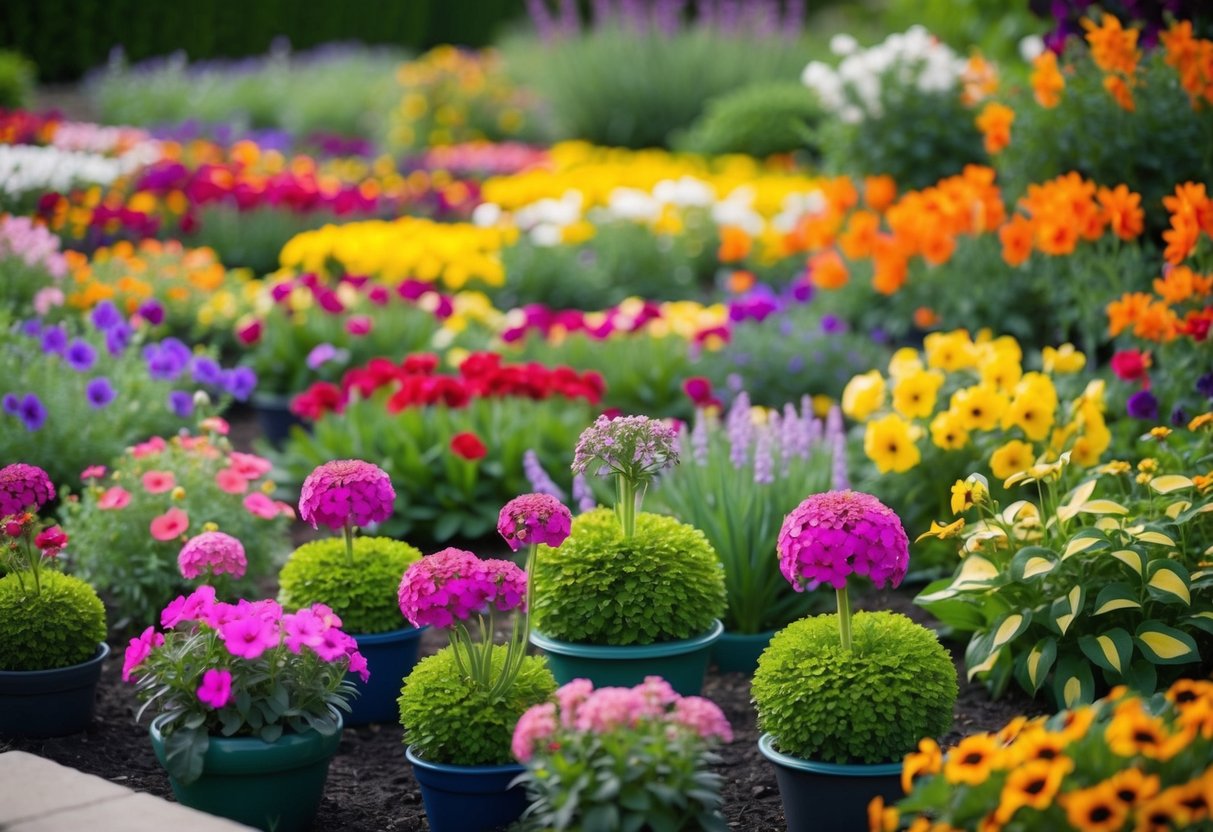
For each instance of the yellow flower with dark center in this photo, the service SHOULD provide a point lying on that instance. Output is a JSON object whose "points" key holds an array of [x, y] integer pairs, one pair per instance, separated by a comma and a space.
{"points": [[1063, 359], [1032, 786], [967, 493], [950, 351], [980, 406], [1195, 798], [1132, 786], [972, 760], [1030, 415], [904, 362], [927, 760], [948, 431], [941, 531], [1075, 724], [863, 395], [1133, 732], [914, 395], [1164, 812], [1039, 744], [1186, 691], [1096, 809], [1011, 458], [888, 443], [1002, 372]]}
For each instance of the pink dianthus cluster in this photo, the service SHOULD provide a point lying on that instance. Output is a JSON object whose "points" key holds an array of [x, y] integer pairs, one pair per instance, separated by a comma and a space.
{"points": [[839, 533], [215, 553], [534, 518], [24, 487], [452, 585], [346, 492]]}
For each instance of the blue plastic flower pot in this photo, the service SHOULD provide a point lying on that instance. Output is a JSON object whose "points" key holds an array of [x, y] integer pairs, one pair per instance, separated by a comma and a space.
{"points": [[739, 652], [828, 797], [682, 663], [389, 657], [468, 798], [50, 703]]}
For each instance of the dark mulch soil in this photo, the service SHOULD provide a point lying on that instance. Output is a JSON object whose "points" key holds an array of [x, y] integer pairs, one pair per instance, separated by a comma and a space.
{"points": [[371, 788]]}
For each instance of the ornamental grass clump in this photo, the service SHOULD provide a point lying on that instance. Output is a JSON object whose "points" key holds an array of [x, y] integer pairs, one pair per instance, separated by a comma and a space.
{"points": [[48, 620], [629, 758], [844, 688]]}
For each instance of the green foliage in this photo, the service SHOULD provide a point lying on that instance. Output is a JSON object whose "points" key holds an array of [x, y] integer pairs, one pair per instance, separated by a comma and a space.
{"points": [[871, 705], [1099, 591], [449, 720], [17, 77], [665, 583], [57, 626], [362, 592], [994, 26], [440, 494], [759, 120], [619, 87]]}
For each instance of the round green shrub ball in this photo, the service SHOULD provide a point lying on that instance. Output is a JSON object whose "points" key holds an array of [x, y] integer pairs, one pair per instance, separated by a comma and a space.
{"points": [[448, 720], [872, 705], [759, 120], [57, 627], [362, 593], [663, 584]]}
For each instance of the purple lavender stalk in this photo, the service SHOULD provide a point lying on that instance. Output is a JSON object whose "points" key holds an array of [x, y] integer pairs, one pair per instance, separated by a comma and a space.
{"points": [[542, 18], [582, 494], [699, 438], [540, 482], [740, 430], [764, 468]]}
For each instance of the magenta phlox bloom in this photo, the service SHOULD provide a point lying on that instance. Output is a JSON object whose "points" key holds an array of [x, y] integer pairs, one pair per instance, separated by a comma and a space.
{"points": [[453, 585], [346, 492], [536, 724], [248, 635], [534, 518], [833, 535], [193, 607], [303, 629], [359, 665], [334, 645], [216, 688], [139, 649], [215, 553], [24, 487]]}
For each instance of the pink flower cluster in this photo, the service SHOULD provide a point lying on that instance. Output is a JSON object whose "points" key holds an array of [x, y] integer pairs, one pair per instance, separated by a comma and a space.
{"points": [[635, 446], [579, 709], [213, 553], [839, 533], [346, 492], [533, 519], [24, 487], [453, 585]]}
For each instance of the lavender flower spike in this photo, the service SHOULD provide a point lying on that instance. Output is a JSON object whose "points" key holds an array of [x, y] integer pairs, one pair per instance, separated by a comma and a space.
{"points": [[740, 429], [540, 482], [764, 470]]}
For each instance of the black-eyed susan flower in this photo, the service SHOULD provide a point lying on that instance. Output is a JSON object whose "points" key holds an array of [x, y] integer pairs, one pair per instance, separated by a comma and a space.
{"points": [[914, 395], [1132, 786], [1031, 415], [972, 760], [1096, 809], [1039, 744], [1075, 724], [1164, 812], [1132, 733], [1033, 785], [927, 760]]}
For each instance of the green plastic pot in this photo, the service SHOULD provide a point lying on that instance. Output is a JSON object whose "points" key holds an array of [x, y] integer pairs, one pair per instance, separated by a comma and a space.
{"points": [[682, 663], [50, 703], [829, 797], [739, 652], [268, 785]]}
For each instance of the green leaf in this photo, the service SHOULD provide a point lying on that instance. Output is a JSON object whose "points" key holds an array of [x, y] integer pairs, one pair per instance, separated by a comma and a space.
{"points": [[1087, 540], [1116, 596], [1168, 582], [1111, 650], [1166, 645], [1009, 628], [1037, 663], [1032, 562], [183, 753], [1073, 683]]}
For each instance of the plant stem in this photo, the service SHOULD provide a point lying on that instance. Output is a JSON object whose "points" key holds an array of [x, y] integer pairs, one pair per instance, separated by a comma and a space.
{"points": [[626, 505], [349, 543], [844, 618]]}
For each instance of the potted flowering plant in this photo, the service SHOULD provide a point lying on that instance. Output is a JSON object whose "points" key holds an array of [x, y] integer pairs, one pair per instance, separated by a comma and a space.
{"points": [[1127, 761], [459, 706], [622, 758], [841, 698], [52, 626], [247, 701], [357, 577], [629, 594]]}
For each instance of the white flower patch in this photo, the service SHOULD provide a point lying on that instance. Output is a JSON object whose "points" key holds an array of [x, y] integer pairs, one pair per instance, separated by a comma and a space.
{"points": [[26, 168]]}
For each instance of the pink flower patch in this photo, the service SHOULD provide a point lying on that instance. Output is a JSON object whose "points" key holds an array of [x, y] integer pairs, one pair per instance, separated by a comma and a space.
{"points": [[261, 506], [249, 466], [212, 553], [248, 636], [114, 498], [169, 525], [157, 482], [92, 472], [358, 325], [230, 480], [215, 424], [216, 688], [149, 448], [138, 650]]}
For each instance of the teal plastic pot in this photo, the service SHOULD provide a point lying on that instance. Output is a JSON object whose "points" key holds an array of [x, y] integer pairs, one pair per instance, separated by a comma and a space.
{"points": [[275, 417], [389, 658], [682, 663], [268, 785], [828, 797], [739, 652], [50, 703], [468, 798]]}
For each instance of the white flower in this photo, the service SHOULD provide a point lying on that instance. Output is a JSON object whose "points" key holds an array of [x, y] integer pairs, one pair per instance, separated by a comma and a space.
{"points": [[1031, 48], [843, 44], [546, 235], [632, 204], [486, 214]]}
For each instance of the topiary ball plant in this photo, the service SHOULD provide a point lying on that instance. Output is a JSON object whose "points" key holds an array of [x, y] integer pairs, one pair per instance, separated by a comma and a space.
{"points": [[447, 718], [362, 591], [871, 704], [663, 583], [758, 120], [58, 626]]}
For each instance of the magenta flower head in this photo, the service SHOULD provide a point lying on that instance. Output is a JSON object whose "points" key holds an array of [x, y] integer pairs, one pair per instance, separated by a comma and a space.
{"points": [[533, 519], [838, 533], [24, 487], [453, 585], [346, 492], [213, 552]]}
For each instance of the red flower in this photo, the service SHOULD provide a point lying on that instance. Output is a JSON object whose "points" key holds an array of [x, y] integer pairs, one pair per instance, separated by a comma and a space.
{"points": [[250, 334], [319, 399], [1131, 365], [468, 446], [698, 389], [51, 538]]}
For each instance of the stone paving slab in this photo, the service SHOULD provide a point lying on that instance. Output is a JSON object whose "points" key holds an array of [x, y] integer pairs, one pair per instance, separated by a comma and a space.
{"points": [[38, 795]]}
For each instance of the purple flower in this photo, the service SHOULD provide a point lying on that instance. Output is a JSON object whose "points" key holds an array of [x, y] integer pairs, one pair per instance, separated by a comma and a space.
{"points": [[99, 393], [1204, 385], [117, 337], [240, 383], [166, 360], [539, 479], [1178, 417], [802, 291], [206, 371], [54, 340], [31, 328], [12, 405], [106, 316], [152, 312], [1142, 405], [80, 355], [181, 403], [31, 412], [839, 533], [320, 355], [832, 325]]}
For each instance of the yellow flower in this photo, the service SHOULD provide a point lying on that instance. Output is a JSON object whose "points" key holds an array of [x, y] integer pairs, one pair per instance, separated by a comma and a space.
{"points": [[1149, 465], [1132, 786], [1002, 372], [950, 351], [1161, 432], [1200, 421], [888, 443], [972, 759], [1040, 471], [980, 406], [941, 531], [178, 493], [1115, 467], [914, 395], [968, 493], [210, 526], [948, 431], [927, 760], [1032, 785], [1096, 809], [1011, 458], [1063, 359], [904, 362], [1029, 414], [882, 818], [863, 395], [1133, 732]]}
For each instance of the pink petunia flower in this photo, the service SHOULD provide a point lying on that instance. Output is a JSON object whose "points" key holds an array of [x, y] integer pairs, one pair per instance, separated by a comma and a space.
{"points": [[249, 466], [359, 325], [149, 448], [359, 665], [114, 498], [303, 629], [216, 688], [92, 472], [334, 644], [196, 606], [261, 506], [248, 636], [157, 482], [169, 525], [231, 481], [139, 649]]}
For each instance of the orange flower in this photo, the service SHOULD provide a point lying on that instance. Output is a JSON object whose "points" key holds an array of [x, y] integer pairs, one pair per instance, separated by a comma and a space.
{"points": [[925, 317], [879, 192], [860, 235], [1192, 59], [735, 244], [1016, 238], [1181, 283], [1118, 88], [891, 265], [1113, 48], [741, 281], [1125, 312], [1047, 80], [1056, 234], [1122, 211], [828, 271], [994, 122]]}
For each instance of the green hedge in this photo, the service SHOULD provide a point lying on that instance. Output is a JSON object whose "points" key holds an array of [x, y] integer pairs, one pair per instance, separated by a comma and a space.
{"points": [[65, 38]]}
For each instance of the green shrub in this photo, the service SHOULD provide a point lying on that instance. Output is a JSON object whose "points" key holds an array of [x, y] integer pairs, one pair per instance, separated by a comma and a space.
{"points": [[663, 584], [759, 120], [449, 720], [17, 75], [57, 627], [362, 592], [871, 705]]}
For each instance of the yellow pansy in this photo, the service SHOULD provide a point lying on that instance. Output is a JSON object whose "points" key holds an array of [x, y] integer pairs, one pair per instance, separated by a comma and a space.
{"points": [[1001, 371], [967, 493], [943, 531], [980, 406], [863, 395], [1011, 458], [1063, 359], [1031, 415], [948, 431], [914, 395], [904, 362], [950, 351], [889, 443]]}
